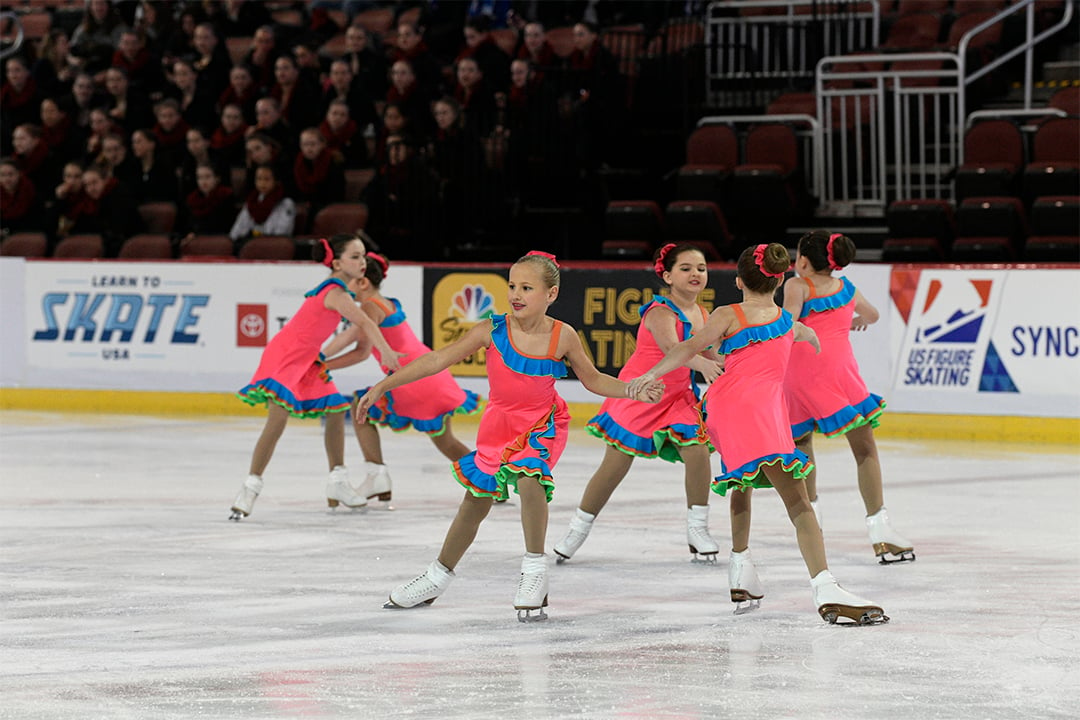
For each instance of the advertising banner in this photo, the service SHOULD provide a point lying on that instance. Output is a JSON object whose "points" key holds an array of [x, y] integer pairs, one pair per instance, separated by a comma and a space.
{"points": [[1000, 342]]}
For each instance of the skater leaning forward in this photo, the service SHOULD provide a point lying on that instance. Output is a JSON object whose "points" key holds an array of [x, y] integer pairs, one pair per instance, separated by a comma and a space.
{"points": [[746, 416], [671, 429], [426, 405], [292, 379], [825, 392], [522, 432]]}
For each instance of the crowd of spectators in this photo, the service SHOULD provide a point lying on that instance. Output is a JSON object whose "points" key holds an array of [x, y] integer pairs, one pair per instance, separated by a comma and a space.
{"points": [[142, 103]]}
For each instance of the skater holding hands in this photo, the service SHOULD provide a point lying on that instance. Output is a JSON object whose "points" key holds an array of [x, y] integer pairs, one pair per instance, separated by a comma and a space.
{"points": [[426, 405], [746, 416], [671, 429], [523, 430], [825, 392], [293, 380]]}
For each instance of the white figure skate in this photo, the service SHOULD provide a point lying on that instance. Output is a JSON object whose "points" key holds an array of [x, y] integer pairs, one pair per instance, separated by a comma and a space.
{"points": [[532, 590], [580, 525], [423, 588], [703, 549], [376, 483], [888, 544], [834, 602], [746, 588], [339, 491], [245, 499]]}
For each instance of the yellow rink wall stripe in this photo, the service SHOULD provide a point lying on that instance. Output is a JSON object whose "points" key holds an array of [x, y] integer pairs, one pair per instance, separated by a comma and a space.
{"points": [[893, 425]]}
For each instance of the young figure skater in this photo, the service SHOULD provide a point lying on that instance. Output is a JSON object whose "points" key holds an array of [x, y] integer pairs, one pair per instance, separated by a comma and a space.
{"points": [[426, 405], [746, 415], [671, 429], [826, 393], [293, 380], [522, 432]]}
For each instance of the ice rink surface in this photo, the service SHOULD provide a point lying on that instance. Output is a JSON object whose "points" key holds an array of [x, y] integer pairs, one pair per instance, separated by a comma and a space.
{"points": [[125, 592]]}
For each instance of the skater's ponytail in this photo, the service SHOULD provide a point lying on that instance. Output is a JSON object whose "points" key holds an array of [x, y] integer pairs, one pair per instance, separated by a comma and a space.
{"points": [[377, 269], [762, 267], [827, 251]]}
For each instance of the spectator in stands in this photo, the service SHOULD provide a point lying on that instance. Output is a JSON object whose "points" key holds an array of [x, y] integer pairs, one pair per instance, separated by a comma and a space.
{"points": [[395, 122], [83, 98], [106, 210], [181, 41], [457, 158], [265, 150], [170, 132], [367, 66], [313, 72], [600, 103], [142, 67], [261, 59], [481, 47], [402, 200], [129, 110], [410, 96], [199, 152], [196, 107], [97, 35], [425, 67], [117, 161], [343, 135], [267, 210], [298, 98], [343, 86], [212, 61], [101, 126], [66, 196], [34, 158], [318, 173], [209, 209], [237, 18], [20, 204], [154, 19], [229, 136], [57, 131], [241, 92], [156, 181], [20, 101], [475, 97], [268, 121], [536, 49], [55, 68]]}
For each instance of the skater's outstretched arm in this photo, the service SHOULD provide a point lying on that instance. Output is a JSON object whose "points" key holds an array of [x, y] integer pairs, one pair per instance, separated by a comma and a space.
{"points": [[661, 322], [339, 300], [865, 313], [571, 350], [721, 321], [428, 364]]}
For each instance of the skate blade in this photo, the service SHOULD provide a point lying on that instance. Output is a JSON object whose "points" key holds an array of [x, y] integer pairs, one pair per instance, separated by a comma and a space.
{"points": [[525, 615], [898, 554], [697, 558], [560, 558], [237, 515], [334, 505], [744, 606], [391, 605], [833, 614]]}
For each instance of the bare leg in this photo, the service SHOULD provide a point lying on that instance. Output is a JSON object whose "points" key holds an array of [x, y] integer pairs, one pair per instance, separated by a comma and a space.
{"points": [[370, 444], [863, 447], [602, 484], [276, 418], [448, 444], [807, 446], [534, 513], [334, 439], [807, 530], [740, 518], [698, 477], [462, 532]]}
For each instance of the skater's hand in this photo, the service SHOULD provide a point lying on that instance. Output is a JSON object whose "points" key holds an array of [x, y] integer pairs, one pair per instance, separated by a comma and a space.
{"points": [[807, 334], [640, 383], [859, 323], [362, 404], [391, 362], [709, 369], [654, 391]]}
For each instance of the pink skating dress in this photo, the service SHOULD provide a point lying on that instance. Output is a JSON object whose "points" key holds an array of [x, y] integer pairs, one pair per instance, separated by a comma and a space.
{"points": [[524, 426], [425, 404], [654, 430], [288, 374], [825, 391], [746, 413]]}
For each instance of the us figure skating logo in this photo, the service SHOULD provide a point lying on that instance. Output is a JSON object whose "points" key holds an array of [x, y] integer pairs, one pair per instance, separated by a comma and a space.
{"points": [[949, 346], [472, 303]]}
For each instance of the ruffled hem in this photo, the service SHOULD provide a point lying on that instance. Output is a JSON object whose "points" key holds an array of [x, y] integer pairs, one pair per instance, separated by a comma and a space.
{"points": [[751, 474], [664, 443], [844, 420], [838, 299], [383, 414], [497, 486], [523, 364], [264, 392], [757, 333]]}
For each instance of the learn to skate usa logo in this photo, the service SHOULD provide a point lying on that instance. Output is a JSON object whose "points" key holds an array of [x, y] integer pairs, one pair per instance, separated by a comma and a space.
{"points": [[472, 303], [947, 341]]}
